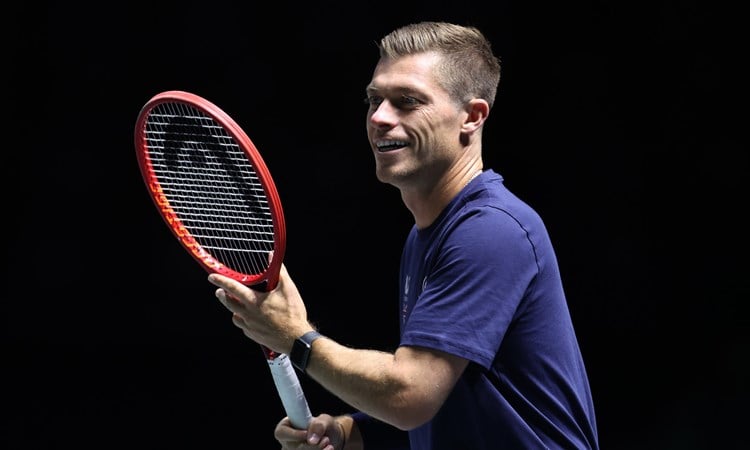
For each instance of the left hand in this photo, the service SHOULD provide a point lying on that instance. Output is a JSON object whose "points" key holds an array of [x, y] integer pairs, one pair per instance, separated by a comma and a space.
{"points": [[323, 433]]}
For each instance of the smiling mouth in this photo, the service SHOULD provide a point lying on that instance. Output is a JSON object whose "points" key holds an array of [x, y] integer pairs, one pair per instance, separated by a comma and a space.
{"points": [[390, 145]]}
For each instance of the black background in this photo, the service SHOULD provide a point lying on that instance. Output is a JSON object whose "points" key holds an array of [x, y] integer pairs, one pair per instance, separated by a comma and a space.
{"points": [[617, 121]]}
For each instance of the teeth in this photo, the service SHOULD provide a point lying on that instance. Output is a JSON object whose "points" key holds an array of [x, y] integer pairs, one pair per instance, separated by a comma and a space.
{"points": [[391, 143]]}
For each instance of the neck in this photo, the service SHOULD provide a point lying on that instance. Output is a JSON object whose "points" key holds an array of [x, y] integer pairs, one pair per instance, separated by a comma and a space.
{"points": [[426, 204]]}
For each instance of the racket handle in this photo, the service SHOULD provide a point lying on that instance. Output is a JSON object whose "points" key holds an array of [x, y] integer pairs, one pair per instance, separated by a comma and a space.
{"points": [[290, 391]]}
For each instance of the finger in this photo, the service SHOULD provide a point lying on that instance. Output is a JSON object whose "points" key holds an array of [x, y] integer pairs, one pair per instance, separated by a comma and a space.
{"points": [[290, 437], [283, 270], [284, 278], [232, 291], [231, 303], [313, 438], [233, 287], [240, 323], [325, 443]]}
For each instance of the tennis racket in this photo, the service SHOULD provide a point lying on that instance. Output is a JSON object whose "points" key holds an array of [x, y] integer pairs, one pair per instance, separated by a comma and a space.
{"points": [[211, 186]]}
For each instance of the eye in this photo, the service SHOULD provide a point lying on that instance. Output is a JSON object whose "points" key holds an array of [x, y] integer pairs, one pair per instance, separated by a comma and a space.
{"points": [[406, 100], [373, 100]]}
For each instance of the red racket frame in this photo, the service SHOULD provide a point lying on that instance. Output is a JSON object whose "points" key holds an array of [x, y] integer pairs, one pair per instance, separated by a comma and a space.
{"points": [[271, 274]]}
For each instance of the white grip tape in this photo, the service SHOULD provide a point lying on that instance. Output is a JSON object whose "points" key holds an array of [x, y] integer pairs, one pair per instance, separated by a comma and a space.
{"points": [[290, 391]]}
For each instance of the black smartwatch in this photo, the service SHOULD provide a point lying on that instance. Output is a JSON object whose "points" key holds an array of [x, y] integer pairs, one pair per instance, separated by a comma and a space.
{"points": [[300, 354]]}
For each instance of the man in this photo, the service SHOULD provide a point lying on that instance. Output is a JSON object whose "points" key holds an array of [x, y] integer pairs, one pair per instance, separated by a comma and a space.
{"points": [[488, 357]]}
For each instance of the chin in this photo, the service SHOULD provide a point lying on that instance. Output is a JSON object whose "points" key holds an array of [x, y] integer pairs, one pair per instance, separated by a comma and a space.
{"points": [[382, 175], [385, 174]]}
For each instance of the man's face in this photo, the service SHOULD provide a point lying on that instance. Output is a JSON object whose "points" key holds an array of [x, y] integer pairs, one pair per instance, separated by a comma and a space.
{"points": [[412, 124]]}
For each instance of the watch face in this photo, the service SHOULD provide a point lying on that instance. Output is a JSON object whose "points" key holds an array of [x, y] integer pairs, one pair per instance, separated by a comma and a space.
{"points": [[300, 354], [301, 350]]}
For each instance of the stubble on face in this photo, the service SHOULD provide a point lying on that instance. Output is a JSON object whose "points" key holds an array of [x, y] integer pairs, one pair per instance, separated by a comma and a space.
{"points": [[429, 122]]}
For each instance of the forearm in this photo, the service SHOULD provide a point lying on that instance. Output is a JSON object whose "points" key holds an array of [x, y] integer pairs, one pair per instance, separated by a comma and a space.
{"points": [[369, 380]]}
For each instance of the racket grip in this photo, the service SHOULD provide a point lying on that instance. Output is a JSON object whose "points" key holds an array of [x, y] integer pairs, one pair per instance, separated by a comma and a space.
{"points": [[290, 391]]}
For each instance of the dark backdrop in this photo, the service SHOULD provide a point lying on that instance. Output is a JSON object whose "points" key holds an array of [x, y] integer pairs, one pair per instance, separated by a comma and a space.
{"points": [[614, 120]]}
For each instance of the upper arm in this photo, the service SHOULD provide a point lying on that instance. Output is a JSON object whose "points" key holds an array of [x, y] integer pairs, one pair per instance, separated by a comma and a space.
{"points": [[428, 376]]}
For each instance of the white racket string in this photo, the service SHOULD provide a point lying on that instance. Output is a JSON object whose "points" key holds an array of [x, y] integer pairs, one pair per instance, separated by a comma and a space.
{"points": [[210, 186]]}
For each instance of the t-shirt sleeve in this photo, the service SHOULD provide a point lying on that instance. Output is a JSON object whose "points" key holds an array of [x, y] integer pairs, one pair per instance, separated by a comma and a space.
{"points": [[482, 267], [378, 435]]}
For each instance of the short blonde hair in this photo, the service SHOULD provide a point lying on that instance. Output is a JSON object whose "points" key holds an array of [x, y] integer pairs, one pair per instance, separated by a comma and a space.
{"points": [[469, 68]]}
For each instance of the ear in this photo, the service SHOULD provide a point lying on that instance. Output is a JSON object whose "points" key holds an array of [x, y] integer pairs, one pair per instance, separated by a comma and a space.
{"points": [[478, 110]]}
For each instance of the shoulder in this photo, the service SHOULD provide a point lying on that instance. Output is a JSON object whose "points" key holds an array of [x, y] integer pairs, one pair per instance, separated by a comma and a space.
{"points": [[490, 202], [488, 218]]}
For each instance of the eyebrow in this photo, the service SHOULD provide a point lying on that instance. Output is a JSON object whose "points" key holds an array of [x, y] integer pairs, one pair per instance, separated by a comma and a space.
{"points": [[399, 90]]}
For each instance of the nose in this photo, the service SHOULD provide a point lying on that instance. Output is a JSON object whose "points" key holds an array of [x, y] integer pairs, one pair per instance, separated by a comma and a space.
{"points": [[384, 115]]}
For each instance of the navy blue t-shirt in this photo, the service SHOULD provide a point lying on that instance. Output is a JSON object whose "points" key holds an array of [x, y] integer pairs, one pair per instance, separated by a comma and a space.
{"points": [[482, 282]]}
